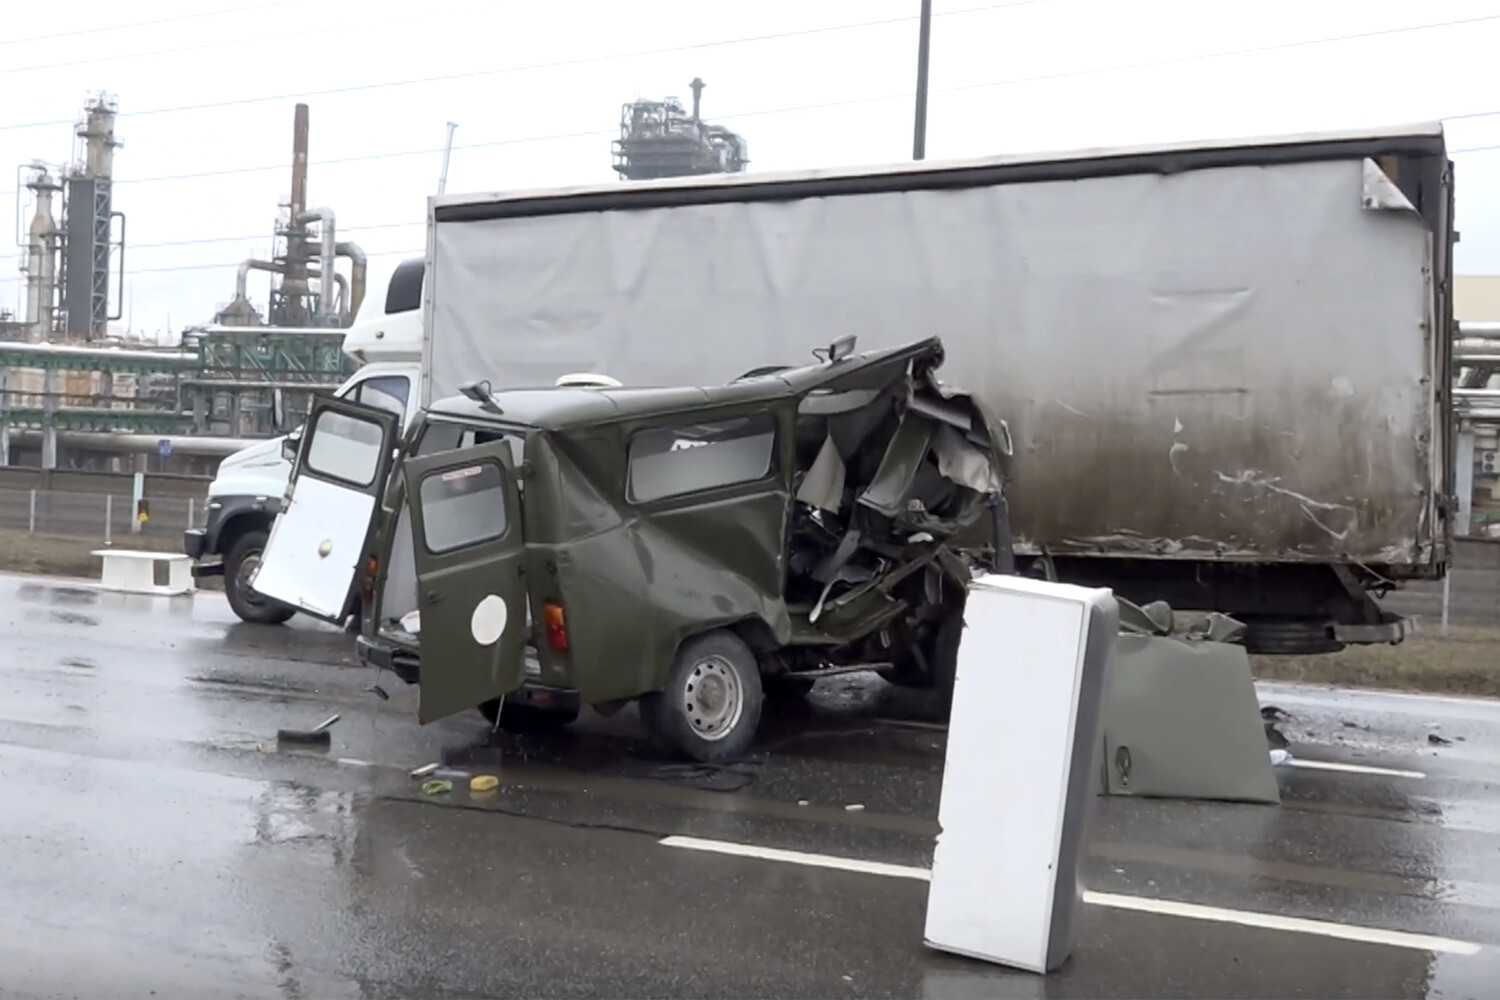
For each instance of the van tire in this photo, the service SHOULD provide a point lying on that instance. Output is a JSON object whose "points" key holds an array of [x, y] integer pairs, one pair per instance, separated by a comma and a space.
{"points": [[250, 607], [517, 718], [709, 708]]}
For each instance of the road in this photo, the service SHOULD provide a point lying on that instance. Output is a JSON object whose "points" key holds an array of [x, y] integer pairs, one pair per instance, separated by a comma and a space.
{"points": [[158, 842]]}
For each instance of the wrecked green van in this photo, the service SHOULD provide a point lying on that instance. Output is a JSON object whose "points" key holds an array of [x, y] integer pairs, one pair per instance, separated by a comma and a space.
{"points": [[694, 549]]}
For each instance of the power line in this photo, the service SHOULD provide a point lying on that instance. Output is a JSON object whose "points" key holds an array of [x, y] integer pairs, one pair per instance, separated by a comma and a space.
{"points": [[559, 64], [823, 105], [131, 272], [530, 67], [196, 47], [144, 24]]}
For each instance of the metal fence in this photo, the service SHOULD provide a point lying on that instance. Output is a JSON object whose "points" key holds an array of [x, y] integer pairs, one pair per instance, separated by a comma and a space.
{"points": [[102, 516]]}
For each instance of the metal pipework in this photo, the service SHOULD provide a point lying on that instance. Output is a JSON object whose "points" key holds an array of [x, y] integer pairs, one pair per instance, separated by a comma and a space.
{"points": [[299, 160], [325, 216], [1476, 331], [359, 270]]}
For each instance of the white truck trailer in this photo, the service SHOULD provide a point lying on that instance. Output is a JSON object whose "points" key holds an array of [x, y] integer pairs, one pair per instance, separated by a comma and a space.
{"points": [[1224, 364]]}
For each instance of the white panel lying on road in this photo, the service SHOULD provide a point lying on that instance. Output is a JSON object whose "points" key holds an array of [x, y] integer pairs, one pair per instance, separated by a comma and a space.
{"points": [[1017, 778]]}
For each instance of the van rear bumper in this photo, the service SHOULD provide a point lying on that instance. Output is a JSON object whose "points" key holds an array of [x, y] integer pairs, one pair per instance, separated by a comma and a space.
{"points": [[384, 656], [407, 665]]}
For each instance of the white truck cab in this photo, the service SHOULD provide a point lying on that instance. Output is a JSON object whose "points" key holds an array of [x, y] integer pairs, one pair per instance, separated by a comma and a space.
{"points": [[249, 489]]}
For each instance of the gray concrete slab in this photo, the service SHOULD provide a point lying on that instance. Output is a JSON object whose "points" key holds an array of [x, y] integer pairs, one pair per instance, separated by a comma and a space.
{"points": [[156, 840]]}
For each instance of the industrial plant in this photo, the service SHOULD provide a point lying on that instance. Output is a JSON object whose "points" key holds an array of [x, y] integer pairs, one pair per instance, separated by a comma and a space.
{"points": [[661, 139], [75, 395]]}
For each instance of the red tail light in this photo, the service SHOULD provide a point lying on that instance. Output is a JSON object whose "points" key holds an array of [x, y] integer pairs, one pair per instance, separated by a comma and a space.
{"points": [[556, 623]]}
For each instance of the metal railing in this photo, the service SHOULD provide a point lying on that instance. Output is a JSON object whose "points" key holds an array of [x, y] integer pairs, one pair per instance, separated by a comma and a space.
{"points": [[107, 517]]}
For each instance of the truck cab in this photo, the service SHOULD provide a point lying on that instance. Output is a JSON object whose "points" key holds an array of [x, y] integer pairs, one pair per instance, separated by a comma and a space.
{"points": [[250, 487]]}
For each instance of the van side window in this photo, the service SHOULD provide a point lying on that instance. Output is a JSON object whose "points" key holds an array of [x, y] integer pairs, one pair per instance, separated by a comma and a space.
{"points": [[462, 507], [345, 448], [672, 461], [387, 392]]}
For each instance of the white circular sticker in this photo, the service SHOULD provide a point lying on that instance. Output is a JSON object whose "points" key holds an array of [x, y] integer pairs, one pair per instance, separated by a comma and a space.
{"points": [[488, 621]]}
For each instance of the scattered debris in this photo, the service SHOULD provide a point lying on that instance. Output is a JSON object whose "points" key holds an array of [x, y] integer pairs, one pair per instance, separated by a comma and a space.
{"points": [[1275, 737], [1438, 741], [317, 734], [425, 770], [854, 807], [379, 692], [802, 802], [1273, 714], [483, 783], [1280, 757], [438, 786]]}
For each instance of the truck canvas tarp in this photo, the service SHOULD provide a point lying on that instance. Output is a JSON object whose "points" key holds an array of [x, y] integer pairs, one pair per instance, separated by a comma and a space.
{"points": [[1223, 364]]}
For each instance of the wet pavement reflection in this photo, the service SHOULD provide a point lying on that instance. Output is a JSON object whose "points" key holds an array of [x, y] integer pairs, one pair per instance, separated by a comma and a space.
{"points": [[157, 841]]}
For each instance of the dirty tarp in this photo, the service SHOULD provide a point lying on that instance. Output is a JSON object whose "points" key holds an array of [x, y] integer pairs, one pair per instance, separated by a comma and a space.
{"points": [[1181, 718]]}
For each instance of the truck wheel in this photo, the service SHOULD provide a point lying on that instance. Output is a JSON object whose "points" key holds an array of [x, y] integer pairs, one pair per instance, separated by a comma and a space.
{"points": [[710, 707], [941, 651], [779, 688], [1289, 638], [516, 718], [243, 557]]}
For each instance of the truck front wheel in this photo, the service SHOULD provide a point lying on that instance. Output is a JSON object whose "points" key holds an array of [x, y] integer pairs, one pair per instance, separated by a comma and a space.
{"points": [[239, 566], [710, 707]]}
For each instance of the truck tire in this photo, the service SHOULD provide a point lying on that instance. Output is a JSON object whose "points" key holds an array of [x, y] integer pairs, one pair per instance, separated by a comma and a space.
{"points": [[243, 557], [1270, 637], [711, 704], [518, 718], [940, 649]]}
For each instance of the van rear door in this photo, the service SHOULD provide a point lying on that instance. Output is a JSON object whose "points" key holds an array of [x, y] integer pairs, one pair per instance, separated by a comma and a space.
{"points": [[316, 543], [466, 530]]}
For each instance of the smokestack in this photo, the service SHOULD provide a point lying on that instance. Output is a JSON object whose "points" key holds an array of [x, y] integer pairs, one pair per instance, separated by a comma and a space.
{"points": [[299, 162], [697, 86]]}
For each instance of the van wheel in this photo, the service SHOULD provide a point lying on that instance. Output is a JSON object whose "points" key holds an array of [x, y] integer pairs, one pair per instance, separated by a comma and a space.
{"points": [[710, 707], [516, 718], [239, 565]]}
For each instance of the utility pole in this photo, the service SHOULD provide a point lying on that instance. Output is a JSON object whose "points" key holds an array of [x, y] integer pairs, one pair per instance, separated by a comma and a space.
{"points": [[924, 42]]}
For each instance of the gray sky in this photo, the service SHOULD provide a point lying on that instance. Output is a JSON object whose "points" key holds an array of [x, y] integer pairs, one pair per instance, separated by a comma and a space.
{"points": [[536, 90]]}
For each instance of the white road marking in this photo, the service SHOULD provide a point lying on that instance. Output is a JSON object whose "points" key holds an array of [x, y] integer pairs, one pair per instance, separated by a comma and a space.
{"points": [[1331, 765], [1139, 904], [1275, 922], [798, 857]]}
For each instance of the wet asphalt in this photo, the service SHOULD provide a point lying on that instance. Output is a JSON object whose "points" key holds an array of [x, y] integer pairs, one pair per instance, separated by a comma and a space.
{"points": [[156, 841]]}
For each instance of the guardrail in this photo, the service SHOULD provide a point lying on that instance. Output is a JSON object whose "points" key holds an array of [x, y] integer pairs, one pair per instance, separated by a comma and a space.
{"points": [[107, 517], [157, 484]]}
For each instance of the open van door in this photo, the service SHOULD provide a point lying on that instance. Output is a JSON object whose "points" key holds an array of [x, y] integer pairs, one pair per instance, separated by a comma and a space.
{"points": [[466, 532], [317, 542]]}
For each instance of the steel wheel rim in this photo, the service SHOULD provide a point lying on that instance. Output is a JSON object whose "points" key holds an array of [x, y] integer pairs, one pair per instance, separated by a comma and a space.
{"points": [[242, 579], [713, 698]]}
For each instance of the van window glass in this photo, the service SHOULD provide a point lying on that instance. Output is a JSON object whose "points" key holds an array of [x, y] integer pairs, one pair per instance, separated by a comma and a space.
{"points": [[345, 448], [463, 506], [672, 461], [387, 392], [437, 436]]}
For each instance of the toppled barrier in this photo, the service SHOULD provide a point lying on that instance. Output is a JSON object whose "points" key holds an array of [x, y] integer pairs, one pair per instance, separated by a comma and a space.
{"points": [[1180, 717]]}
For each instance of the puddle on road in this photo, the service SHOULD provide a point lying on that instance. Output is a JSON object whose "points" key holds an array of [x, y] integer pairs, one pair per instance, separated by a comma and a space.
{"points": [[56, 594]]}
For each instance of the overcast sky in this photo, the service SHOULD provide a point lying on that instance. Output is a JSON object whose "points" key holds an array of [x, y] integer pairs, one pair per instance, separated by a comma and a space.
{"points": [[536, 90]]}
